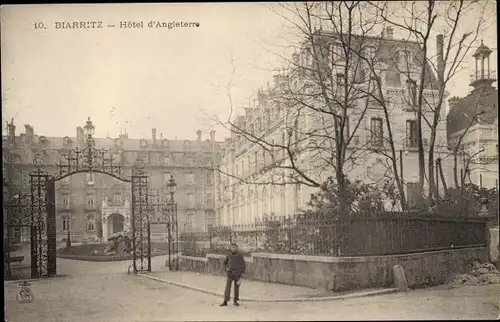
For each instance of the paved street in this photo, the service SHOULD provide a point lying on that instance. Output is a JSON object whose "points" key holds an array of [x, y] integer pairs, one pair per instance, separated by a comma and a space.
{"points": [[103, 292]]}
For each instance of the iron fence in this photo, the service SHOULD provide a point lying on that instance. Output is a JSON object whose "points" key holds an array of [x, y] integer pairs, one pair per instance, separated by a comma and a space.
{"points": [[365, 234]]}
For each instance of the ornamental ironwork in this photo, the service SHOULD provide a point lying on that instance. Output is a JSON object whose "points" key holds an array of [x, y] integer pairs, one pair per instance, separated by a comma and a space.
{"points": [[38, 209]]}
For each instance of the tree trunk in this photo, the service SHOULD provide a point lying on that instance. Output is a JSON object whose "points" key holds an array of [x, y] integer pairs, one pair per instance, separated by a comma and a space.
{"points": [[455, 169], [441, 174]]}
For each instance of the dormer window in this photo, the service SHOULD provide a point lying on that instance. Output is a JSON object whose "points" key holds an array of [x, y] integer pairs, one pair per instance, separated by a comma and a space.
{"points": [[144, 143], [187, 144], [67, 141], [42, 140], [336, 50], [404, 57], [118, 143], [165, 143]]}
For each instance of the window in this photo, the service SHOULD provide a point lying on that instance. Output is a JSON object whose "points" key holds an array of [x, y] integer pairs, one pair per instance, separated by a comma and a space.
{"points": [[340, 79], [336, 51], [16, 158], [191, 200], [67, 141], [90, 178], [65, 201], [90, 223], [16, 174], [376, 132], [164, 143], [117, 198], [190, 178], [370, 52], [90, 201], [65, 223], [404, 58], [166, 177], [166, 160], [209, 178], [42, 140], [144, 158], [412, 92], [144, 143], [411, 133], [189, 160], [209, 200]]}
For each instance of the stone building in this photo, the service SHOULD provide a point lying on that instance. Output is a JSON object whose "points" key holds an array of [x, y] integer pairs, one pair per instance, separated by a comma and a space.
{"points": [[85, 199], [473, 125], [252, 159]]}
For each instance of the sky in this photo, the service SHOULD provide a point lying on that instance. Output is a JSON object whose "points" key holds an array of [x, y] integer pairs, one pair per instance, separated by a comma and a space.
{"points": [[136, 79]]}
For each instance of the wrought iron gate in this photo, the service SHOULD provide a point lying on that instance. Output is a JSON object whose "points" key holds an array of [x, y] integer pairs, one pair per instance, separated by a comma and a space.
{"points": [[37, 209], [18, 230], [168, 217]]}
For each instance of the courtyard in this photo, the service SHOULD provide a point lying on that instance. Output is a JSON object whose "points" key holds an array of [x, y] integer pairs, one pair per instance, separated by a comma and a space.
{"points": [[90, 291]]}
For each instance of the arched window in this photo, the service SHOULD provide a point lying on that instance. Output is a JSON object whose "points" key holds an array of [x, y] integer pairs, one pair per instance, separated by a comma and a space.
{"points": [[144, 143], [66, 140], [42, 140]]}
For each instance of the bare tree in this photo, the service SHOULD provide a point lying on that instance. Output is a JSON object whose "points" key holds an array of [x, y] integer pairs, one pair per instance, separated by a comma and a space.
{"points": [[420, 20], [316, 98]]}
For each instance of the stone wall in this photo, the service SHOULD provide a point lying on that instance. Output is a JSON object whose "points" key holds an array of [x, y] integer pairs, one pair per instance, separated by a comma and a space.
{"points": [[344, 273]]}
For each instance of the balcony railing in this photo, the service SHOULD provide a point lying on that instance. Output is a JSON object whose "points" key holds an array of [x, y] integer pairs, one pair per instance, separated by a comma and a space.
{"points": [[485, 74]]}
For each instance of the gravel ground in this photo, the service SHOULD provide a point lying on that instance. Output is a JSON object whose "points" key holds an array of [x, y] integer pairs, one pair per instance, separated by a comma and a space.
{"points": [[103, 292]]}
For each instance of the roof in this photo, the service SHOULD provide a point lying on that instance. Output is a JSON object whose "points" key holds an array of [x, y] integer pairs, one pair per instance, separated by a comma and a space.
{"points": [[482, 100], [387, 51], [56, 143]]}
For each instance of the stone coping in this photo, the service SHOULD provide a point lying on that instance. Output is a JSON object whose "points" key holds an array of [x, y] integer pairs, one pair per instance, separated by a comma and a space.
{"points": [[102, 258], [332, 259]]}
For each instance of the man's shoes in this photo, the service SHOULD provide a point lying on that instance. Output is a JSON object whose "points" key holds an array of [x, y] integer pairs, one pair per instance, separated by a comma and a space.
{"points": [[236, 303], [224, 303]]}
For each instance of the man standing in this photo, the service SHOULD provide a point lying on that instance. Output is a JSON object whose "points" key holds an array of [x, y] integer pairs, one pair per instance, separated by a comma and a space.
{"points": [[234, 265]]}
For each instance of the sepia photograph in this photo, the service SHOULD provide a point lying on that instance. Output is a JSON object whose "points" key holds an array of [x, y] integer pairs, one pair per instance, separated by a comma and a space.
{"points": [[250, 161]]}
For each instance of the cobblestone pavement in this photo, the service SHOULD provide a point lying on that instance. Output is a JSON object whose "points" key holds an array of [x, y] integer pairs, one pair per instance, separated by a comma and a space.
{"points": [[103, 292]]}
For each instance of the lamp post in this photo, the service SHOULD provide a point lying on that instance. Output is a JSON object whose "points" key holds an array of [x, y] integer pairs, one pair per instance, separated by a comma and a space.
{"points": [[171, 187], [88, 131]]}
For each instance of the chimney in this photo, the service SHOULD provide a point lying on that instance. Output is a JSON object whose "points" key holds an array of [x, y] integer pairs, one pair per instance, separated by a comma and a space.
{"points": [[212, 136], [261, 97], [79, 136], [123, 135], [12, 131], [154, 136], [389, 33], [295, 58], [28, 129], [198, 136], [440, 59]]}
